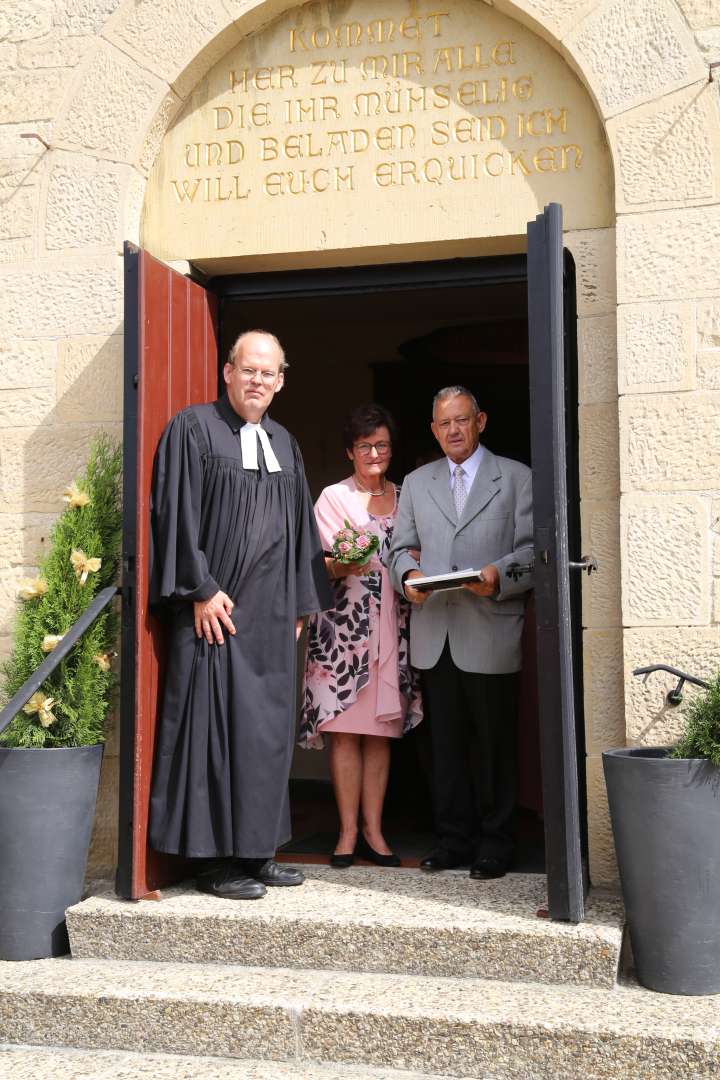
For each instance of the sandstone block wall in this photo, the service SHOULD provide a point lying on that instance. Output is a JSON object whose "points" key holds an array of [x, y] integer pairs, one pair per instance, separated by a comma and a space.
{"points": [[99, 82]]}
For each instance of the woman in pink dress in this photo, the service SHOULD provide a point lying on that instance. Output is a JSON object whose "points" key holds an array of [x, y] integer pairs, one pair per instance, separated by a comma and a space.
{"points": [[359, 686]]}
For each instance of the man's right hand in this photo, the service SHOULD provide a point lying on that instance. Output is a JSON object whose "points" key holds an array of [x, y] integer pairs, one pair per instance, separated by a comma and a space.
{"points": [[415, 596], [211, 615]]}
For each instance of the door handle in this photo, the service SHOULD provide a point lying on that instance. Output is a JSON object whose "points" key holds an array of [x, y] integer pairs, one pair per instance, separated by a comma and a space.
{"points": [[587, 563]]}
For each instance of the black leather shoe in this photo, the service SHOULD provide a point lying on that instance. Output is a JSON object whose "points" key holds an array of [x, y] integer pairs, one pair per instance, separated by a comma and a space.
{"points": [[489, 867], [230, 884], [364, 851], [268, 872], [342, 861], [442, 860]]}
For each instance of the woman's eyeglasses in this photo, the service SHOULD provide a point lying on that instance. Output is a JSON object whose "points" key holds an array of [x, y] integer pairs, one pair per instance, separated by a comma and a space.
{"points": [[366, 448]]}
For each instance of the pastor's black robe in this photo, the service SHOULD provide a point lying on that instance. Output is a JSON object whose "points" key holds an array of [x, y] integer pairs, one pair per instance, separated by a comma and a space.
{"points": [[225, 737]]}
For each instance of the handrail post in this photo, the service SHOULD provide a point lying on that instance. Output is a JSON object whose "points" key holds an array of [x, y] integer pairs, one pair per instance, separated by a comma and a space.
{"points": [[674, 696]]}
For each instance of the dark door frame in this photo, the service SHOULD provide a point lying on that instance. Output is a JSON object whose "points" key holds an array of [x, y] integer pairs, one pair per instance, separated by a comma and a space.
{"points": [[480, 271], [446, 273], [556, 498], [450, 273]]}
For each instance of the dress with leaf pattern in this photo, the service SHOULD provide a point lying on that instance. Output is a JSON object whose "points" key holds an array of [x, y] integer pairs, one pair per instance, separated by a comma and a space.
{"points": [[358, 676]]}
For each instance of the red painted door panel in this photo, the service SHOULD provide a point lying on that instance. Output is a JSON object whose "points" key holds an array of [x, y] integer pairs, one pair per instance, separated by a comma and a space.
{"points": [[171, 361]]}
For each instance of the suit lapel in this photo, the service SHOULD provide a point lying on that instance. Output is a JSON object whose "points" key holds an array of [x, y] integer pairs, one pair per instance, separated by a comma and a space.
{"points": [[440, 492], [484, 488]]}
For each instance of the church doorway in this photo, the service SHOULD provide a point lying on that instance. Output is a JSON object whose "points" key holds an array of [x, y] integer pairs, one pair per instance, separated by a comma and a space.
{"points": [[503, 325], [396, 336]]}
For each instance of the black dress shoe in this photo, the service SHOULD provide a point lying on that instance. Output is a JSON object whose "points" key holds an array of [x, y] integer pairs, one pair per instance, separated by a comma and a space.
{"points": [[364, 851], [489, 867], [268, 872], [342, 861], [230, 884], [442, 860]]}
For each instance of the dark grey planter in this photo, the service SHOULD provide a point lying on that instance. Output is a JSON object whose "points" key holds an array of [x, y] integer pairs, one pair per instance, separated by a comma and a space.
{"points": [[47, 805], [666, 823]]}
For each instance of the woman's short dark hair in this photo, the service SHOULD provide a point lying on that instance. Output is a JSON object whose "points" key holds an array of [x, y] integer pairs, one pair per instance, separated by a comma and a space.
{"points": [[363, 420]]}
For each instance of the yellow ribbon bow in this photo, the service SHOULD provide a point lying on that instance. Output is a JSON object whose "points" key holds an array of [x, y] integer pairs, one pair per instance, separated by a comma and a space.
{"points": [[41, 705], [32, 588], [83, 566], [51, 641], [74, 497], [102, 660]]}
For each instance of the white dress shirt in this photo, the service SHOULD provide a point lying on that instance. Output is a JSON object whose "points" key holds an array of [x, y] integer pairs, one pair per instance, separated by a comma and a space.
{"points": [[470, 466]]}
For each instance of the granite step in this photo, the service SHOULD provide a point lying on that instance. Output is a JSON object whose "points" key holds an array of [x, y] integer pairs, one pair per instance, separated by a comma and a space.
{"points": [[365, 919], [64, 1063], [456, 1027]]}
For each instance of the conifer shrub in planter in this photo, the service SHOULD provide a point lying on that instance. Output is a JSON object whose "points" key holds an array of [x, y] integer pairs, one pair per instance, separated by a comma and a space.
{"points": [[51, 752], [665, 812]]}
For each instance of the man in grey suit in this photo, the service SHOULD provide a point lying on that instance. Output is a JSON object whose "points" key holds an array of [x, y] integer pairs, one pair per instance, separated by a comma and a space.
{"points": [[470, 509]]}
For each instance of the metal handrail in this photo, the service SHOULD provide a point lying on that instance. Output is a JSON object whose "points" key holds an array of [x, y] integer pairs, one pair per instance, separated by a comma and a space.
{"points": [[674, 696], [61, 650]]}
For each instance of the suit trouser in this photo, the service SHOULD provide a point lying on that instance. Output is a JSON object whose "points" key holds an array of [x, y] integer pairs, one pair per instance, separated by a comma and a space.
{"points": [[473, 720]]}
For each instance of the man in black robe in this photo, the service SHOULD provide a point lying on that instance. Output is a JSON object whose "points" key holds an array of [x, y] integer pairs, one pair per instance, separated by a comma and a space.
{"points": [[236, 564]]}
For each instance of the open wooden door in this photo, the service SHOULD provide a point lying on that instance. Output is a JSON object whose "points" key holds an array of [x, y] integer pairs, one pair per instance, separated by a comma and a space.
{"points": [[553, 420], [171, 361]]}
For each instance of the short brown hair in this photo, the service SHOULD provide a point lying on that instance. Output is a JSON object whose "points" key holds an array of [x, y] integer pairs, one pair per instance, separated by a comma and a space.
{"points": [[365, 419]]}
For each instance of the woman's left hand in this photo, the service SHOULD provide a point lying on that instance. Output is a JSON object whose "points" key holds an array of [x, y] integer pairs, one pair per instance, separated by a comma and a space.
{"points": [[337, 569]]}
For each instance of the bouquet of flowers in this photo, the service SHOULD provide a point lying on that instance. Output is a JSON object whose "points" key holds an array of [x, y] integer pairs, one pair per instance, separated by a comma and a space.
{"points": [[351, 546]]}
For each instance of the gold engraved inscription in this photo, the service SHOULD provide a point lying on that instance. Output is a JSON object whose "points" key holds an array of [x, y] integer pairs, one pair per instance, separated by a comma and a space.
{"points": [[325, 71], [309, 144], [310, 181], [242, 116], [496, 163], [229, 152], [436, 112], [263, 78], [374, 32], [472, 57], [304, 110], [210, 189]]}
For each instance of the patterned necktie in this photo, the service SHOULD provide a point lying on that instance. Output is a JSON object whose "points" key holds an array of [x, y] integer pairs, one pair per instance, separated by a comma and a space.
{"points": [[459, 490]]}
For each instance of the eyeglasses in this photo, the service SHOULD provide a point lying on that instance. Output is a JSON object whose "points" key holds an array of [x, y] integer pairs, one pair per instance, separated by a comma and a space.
{"points": [[249, 374], [366, 448]]}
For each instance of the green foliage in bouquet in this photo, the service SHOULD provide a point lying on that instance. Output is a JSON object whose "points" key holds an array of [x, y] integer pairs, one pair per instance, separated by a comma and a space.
{"points": [[71, 705], [354, 546], [701, 738]]}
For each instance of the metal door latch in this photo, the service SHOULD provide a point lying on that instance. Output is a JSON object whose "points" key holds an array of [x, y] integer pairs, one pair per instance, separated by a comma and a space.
{"points": [[587, 562]]}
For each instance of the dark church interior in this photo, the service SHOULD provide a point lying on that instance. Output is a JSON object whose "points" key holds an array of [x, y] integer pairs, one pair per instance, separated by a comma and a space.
{"points": [[398, 347]]}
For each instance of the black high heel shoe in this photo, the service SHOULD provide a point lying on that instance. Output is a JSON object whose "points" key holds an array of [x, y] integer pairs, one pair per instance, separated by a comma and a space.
{"points": [[364, 851], [341, 862]]}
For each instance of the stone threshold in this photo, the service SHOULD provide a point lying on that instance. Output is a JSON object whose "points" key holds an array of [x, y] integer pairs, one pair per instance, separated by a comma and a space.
{"points": [[366, 919]]}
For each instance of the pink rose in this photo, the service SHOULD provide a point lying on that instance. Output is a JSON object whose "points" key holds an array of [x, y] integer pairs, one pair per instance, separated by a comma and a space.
{"points": [[362, 542], [348, 534], [344, 546]]}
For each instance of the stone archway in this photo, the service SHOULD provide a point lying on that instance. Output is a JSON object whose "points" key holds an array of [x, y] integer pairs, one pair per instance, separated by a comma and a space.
{"points": [[75, 202]]}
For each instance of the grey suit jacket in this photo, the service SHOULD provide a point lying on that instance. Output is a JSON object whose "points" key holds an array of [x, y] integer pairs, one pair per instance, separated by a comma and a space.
{"points": [[495, 527]]}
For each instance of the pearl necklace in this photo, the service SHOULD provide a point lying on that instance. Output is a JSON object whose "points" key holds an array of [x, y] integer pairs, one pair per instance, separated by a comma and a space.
{"points": [[367, 490]]}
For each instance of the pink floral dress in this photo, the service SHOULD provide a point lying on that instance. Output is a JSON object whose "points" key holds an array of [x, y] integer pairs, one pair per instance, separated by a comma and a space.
{"points": [[358, 676]]}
